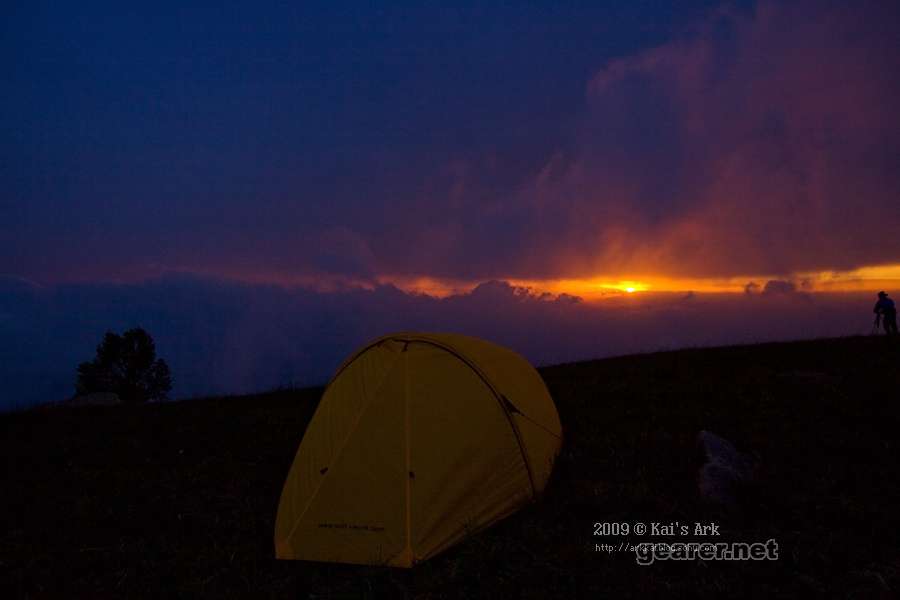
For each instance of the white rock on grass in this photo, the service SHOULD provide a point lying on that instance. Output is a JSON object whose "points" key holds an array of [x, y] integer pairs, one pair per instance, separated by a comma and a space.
{"points": [[725, 471]]}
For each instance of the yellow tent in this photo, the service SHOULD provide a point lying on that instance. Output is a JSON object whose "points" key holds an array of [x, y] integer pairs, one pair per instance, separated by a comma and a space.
{"points": [[419, 440]]}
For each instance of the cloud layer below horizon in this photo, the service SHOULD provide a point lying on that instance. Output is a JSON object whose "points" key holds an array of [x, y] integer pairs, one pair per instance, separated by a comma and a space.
{"points": [[223, 337]]}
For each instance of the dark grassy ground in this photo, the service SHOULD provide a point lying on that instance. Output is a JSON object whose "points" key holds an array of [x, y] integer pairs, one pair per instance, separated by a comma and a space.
{"points": [[179, 499]]}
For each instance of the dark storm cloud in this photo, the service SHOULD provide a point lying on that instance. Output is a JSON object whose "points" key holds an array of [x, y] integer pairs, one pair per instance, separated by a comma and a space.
{"points": [[223, 338], [755, 143]]}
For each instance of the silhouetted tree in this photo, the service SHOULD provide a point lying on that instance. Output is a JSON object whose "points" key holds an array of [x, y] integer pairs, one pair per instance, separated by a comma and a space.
{"points": [[127, 365]]}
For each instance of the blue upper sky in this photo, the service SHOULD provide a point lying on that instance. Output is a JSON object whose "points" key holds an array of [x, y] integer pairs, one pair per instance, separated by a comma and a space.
{"points": [[152, 132]]}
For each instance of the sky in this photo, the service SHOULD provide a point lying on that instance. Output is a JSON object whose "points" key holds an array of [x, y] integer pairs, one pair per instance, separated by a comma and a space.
{"points": [[292, 179]]}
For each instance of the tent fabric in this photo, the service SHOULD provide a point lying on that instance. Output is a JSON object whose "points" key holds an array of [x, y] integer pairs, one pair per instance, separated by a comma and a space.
{"points": [[419, 440]]}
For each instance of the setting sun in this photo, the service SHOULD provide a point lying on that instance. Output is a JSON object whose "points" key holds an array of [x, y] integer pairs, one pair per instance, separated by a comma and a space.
{"points": [[630, 290]]}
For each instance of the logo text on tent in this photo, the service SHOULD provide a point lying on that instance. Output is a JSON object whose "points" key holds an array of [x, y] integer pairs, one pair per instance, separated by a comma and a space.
{"points": [[354, 526]]}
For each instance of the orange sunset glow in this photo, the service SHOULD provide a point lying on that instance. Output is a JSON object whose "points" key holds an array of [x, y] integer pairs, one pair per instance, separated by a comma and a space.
{"points": [[862, 279]]}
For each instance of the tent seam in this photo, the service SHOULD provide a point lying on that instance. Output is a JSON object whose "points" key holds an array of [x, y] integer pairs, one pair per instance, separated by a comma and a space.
{"points": [[337, 455], [408, 458], [497, 396]]}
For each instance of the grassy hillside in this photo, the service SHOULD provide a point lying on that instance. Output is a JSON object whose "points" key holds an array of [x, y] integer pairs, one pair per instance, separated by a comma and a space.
{"points": [[180, 498]]}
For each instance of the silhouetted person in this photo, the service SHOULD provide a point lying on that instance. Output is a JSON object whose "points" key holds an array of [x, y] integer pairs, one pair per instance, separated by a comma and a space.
{"points": [[885, 309]]}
